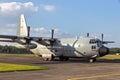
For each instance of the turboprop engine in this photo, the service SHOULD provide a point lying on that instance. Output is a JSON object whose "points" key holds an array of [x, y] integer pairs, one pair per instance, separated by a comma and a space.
{"points": [[31, 46]]}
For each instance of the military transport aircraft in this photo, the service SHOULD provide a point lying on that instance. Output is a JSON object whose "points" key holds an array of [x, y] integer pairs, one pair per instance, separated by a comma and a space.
{"points": [[50, 48]]}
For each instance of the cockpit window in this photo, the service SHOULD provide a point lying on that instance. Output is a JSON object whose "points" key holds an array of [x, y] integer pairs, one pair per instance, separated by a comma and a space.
{"points": [[93, 41], [96, 41], [99, 43]]}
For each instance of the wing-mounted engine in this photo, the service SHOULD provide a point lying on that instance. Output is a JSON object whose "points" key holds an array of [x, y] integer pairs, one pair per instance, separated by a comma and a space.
{"points": [[48, 42], [31, 46], [26, 41], [23, 37]]}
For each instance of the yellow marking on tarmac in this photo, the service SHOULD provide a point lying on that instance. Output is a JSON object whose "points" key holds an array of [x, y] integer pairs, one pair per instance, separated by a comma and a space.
{"points": [[97, 76]]}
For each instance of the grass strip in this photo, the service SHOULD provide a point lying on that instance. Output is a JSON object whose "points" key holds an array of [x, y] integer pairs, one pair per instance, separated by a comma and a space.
{"points": [[5, 67], [111, 57], [5, 54]]}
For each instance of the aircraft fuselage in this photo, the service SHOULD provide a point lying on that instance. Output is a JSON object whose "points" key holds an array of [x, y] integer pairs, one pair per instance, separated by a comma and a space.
{"points": [[73, 48]]}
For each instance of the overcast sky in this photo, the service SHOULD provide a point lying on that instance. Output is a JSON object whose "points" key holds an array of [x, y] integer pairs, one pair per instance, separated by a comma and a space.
{"points": [[69, 18]]}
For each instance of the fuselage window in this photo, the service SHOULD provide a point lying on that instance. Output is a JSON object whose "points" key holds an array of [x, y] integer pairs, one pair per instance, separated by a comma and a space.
{"points": [[93, 47]]}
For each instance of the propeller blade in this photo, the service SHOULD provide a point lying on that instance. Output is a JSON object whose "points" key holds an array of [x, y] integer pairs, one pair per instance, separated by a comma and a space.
{"points": [[27, 48], [102, 36], [52, 38], [28, 39], [52, 34], [28, 28], [87, 34]]}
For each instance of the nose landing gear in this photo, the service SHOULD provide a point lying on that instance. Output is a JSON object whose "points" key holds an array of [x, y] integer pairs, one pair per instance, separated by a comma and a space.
{"points": [[91, 60]]}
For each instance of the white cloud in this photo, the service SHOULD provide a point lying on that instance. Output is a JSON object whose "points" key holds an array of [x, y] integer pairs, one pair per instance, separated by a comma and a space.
{"points": [[44, 32], [39, 30], [49, 7], [17, 7], [12, 25], [9, 12]]}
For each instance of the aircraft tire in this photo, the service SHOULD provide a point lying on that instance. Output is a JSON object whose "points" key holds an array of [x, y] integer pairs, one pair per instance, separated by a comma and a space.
{"points": [[91, 60], [49, 58], [66, 58], [63, 58]]}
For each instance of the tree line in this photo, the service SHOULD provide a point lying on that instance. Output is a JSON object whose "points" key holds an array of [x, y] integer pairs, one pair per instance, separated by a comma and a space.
{"points": [[114, 50], [13, 49]]}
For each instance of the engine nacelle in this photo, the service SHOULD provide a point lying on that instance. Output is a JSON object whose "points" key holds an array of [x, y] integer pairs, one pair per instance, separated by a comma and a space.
{"points": [[31, 46]]}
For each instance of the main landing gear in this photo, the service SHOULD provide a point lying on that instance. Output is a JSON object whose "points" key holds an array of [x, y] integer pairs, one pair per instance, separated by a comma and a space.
{"points": [[63, 58], [91, 60]]}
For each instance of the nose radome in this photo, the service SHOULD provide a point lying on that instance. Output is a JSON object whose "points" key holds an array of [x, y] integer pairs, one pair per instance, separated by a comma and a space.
{"points": [[103, 51]]}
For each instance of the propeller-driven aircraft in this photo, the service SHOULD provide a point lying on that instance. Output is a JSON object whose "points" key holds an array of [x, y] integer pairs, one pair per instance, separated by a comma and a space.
{"points": [[50, 48]]}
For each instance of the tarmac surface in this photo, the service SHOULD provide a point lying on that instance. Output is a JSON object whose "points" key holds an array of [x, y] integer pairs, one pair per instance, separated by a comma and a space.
{"points": [[62, 70]]}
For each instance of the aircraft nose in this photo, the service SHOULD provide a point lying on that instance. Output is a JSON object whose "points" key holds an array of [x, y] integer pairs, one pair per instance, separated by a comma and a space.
{"points": [[103, 51]]}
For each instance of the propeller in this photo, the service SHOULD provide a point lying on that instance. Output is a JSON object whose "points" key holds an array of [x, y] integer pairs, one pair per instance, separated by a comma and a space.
{"points": [[87, 34], [105, 42], [52, 33], [28, 34], [28, 40], [52, 40], [102, 36]]}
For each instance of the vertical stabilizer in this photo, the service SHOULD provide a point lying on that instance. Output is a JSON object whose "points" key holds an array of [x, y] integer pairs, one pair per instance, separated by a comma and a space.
{"points": [[22, 27]]}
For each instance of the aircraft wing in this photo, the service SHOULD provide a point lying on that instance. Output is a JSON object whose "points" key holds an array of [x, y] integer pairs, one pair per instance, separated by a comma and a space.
{"points": [[7, 41], [40, 40], [43, 40], [7, 38]]}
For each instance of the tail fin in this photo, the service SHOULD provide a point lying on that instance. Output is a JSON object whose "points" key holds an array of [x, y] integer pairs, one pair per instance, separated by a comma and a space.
{"points": [[22, 27]]}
